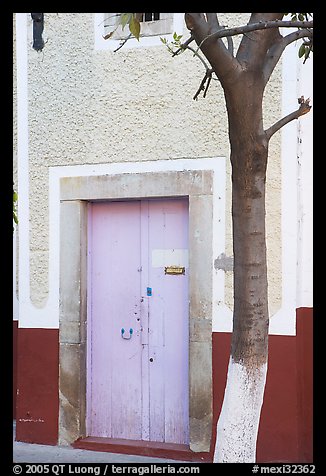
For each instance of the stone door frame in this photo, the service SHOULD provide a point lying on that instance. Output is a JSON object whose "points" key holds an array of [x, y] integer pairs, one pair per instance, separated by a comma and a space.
{"points": [[75, 194]]}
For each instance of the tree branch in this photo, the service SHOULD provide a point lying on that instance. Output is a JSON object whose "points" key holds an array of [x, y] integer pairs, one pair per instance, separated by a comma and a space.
{"points": [[200, 57], [255, 44], [230, 45], [223, 63], [304, 108], [207, 77], [123, 42], [275, 52], [262, 25], [212, 21], [184, 45], [214, 24]]}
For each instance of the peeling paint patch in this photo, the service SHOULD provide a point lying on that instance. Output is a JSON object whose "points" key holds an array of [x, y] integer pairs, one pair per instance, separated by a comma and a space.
{"points": [[224, 262], [169, 257]]}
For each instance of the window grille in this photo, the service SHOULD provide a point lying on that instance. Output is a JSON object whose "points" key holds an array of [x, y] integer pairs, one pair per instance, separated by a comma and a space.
{"points": [[152, 24]]}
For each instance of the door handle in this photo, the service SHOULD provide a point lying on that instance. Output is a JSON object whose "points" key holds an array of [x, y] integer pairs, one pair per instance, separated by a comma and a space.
{"points": [[125, 336]]}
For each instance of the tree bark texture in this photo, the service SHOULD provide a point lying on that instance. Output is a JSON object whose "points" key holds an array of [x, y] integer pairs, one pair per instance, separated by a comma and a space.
{"points": [[237, 428], [249, 153]]}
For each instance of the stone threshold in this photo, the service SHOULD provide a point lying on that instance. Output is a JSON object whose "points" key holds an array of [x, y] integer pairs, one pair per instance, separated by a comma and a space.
{"points": [[151, 449]]}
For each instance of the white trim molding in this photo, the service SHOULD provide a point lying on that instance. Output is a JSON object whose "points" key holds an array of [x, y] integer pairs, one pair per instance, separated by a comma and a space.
{"points": [[48, 316], [296, 197], [284, 320]]}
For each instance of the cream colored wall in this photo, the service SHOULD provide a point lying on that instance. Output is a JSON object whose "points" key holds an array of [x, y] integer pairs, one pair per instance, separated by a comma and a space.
{"points": [[88, 106], [14, 103], [15, 178]]}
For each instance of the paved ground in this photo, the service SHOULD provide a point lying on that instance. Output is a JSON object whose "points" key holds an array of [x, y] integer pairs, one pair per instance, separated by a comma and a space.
{"points": [[32, 453]]}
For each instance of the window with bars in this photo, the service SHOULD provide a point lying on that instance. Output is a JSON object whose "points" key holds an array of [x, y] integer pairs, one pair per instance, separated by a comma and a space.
{"points": [[152, 24]]}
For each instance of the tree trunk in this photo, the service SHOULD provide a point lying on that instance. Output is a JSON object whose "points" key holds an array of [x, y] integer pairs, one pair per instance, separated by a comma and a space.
{"points": [[237, 427], [243, 78]]}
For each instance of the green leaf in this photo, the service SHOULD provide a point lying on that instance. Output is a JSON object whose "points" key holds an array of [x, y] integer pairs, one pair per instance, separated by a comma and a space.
{"points": [[302, 50], [134, 27], [307, 53], [125, 18], [15, 199], [176, 39]]}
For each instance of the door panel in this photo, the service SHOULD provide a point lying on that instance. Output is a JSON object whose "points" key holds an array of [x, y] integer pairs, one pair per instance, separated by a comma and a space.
{"points": [[168, 322], [115, 298], [138, 382]]}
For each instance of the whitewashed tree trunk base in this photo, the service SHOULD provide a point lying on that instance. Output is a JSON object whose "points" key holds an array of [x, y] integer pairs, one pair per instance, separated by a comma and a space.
{"points": [[237, 427]]}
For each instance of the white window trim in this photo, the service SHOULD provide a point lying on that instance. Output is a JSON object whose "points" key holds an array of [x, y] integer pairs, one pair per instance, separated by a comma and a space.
{"points": [[101, 44]]}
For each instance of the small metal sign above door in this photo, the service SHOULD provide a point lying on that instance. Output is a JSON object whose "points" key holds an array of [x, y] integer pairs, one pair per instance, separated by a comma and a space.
{"points": [[174, 270]]}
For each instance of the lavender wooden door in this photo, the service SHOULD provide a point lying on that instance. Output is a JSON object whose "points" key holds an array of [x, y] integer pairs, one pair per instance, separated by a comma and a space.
{"points": [[137, 379]]}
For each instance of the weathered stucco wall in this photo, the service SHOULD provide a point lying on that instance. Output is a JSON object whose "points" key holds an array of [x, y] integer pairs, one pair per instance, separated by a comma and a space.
{"points": [[97, 106]]}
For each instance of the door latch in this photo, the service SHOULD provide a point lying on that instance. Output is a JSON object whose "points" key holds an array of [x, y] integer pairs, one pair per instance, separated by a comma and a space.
{"points": [[125, 336]]}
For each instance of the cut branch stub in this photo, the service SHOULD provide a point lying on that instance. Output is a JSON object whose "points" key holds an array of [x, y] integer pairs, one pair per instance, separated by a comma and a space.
{"points": [[304, 105], [303, 109]]}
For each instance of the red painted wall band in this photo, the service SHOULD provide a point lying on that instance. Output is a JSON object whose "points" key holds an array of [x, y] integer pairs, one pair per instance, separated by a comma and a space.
{"points": [[285, 432], [14, 366], [37, 405], [305, 382]]}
